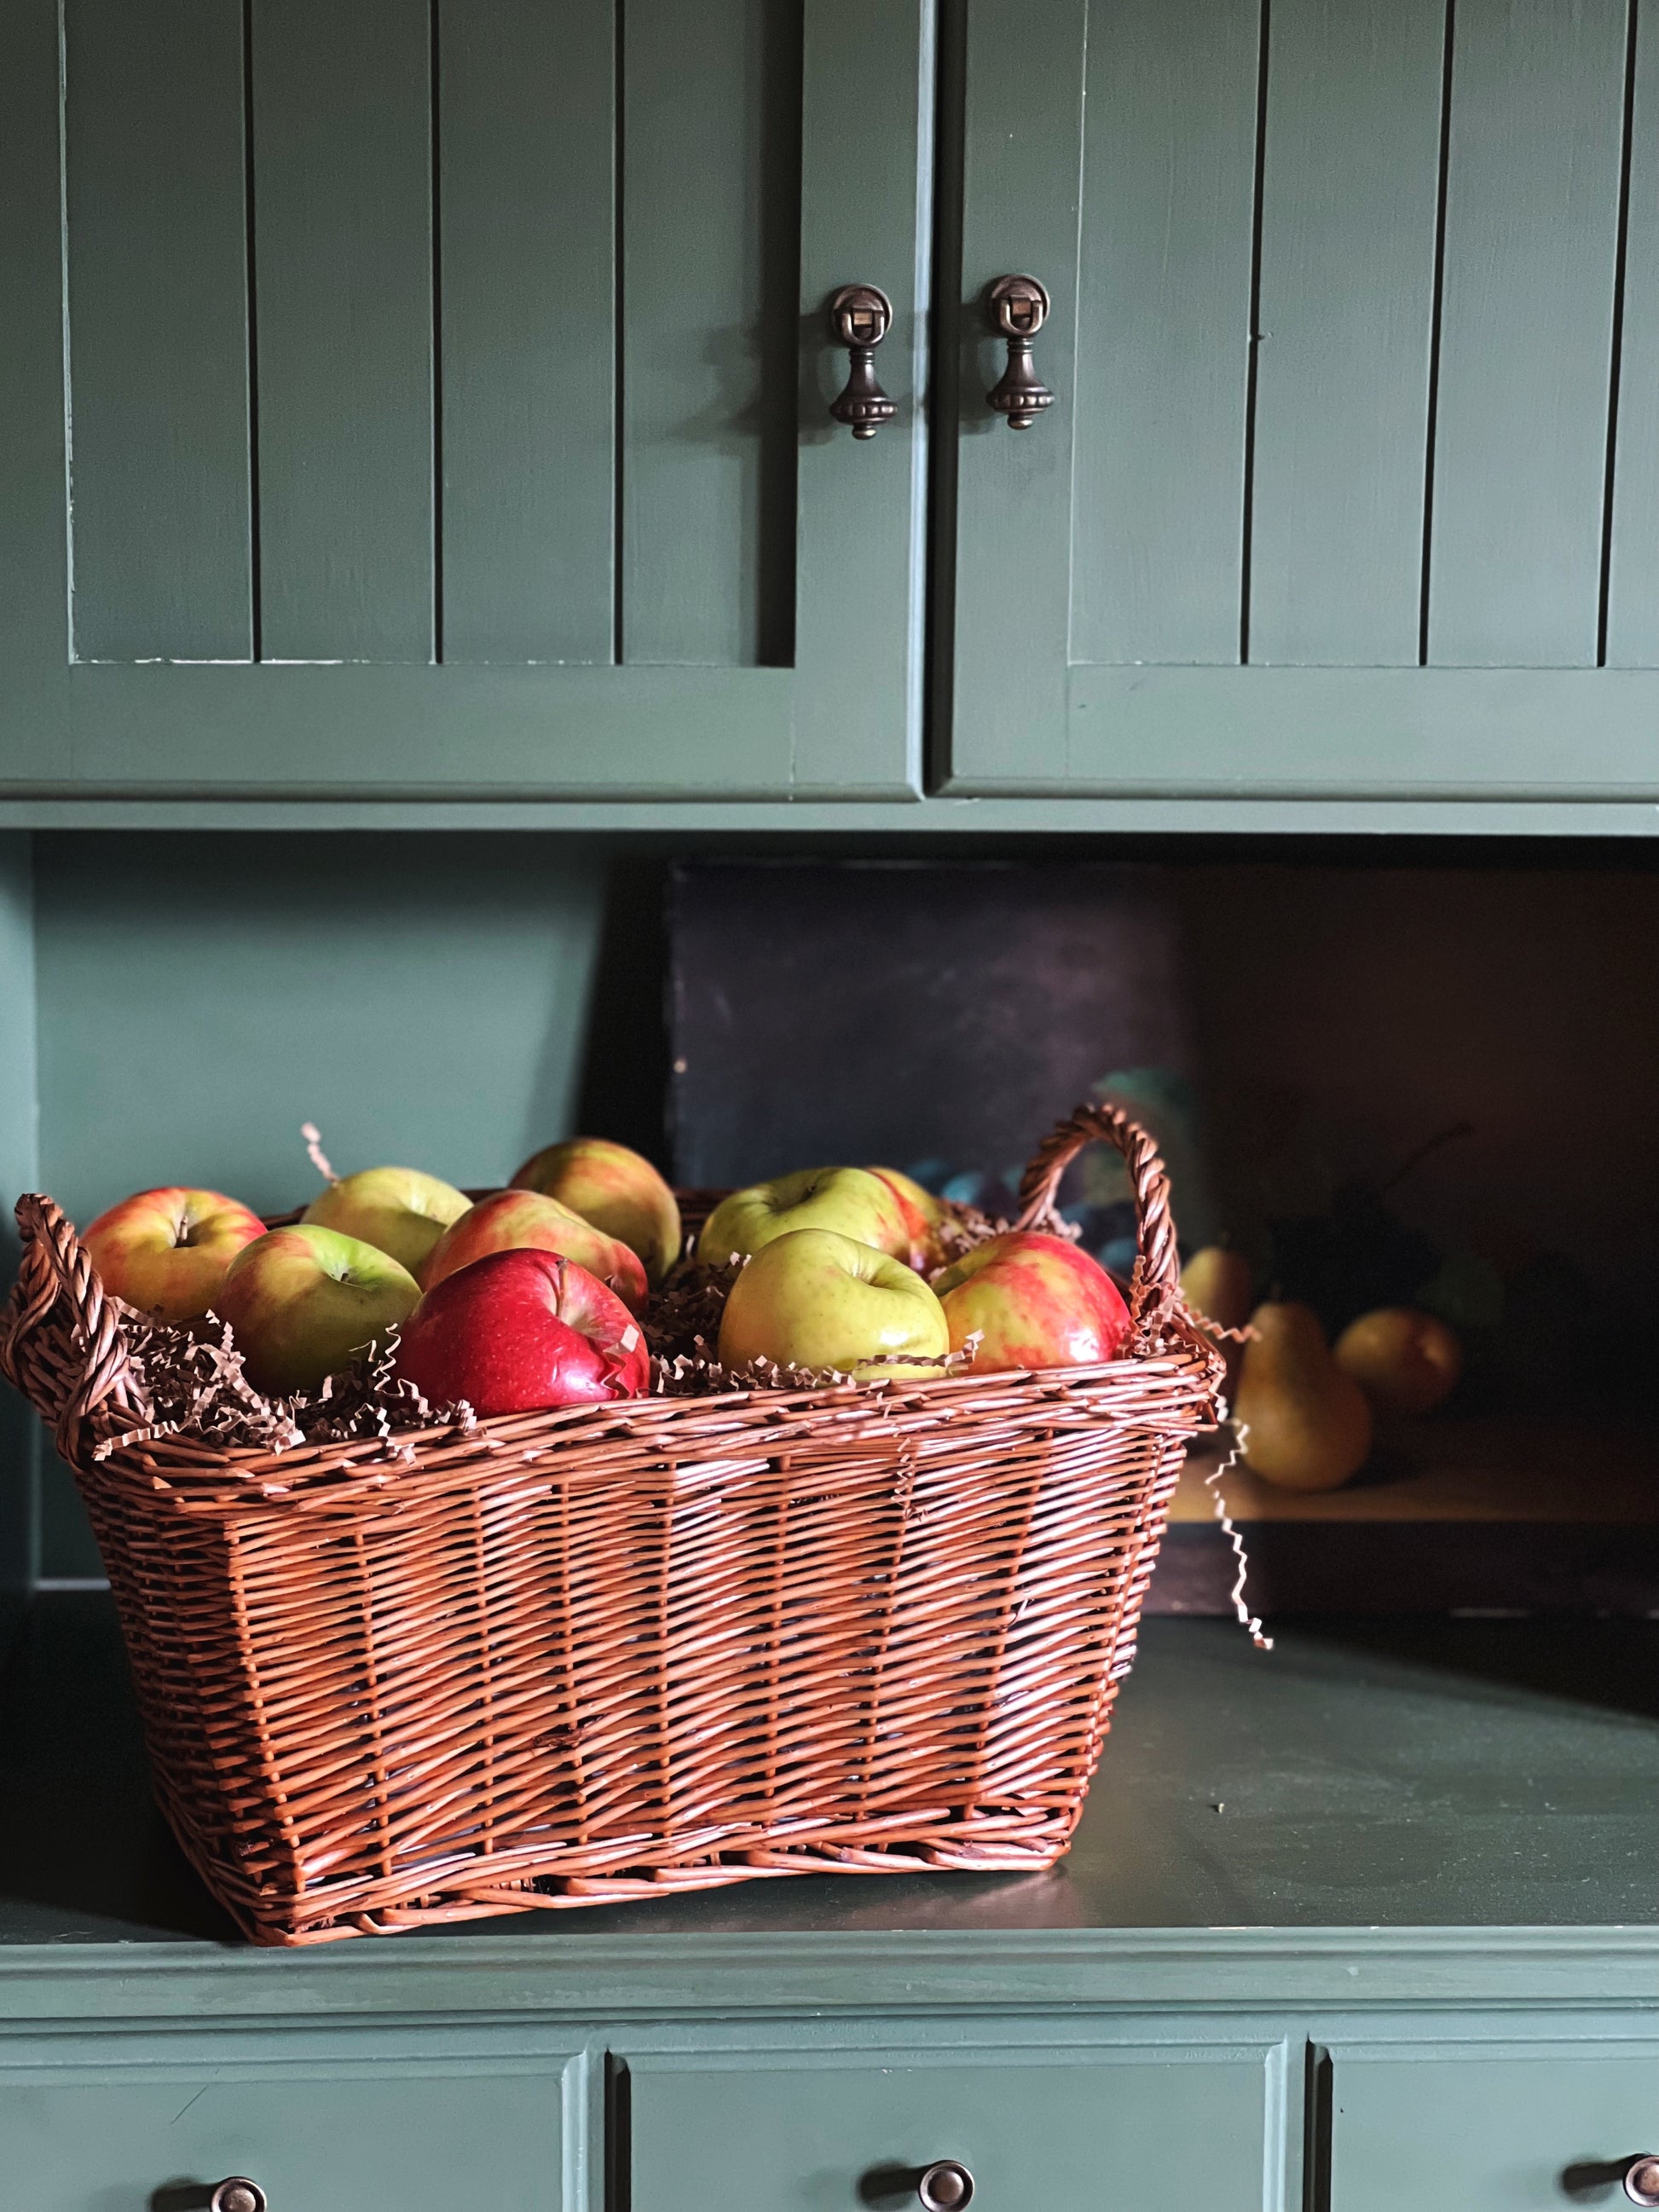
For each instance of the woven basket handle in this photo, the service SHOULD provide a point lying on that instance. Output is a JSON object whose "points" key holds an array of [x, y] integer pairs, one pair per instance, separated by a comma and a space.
{"points": [[1155, 1286], [55, 1265]]}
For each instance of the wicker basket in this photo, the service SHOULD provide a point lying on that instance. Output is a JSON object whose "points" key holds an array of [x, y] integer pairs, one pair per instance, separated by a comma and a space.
{"points": [[571, 1657]]}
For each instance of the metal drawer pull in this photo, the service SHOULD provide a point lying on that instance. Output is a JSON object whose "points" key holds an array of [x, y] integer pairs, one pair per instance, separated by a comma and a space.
{"points": [[236, 2193], [859, 319], [1641, 2178], [1018, 307], [946, 2186]]}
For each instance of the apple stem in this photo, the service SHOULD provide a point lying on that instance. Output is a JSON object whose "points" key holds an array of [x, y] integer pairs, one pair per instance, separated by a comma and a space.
{"points": [[314, 1153]]}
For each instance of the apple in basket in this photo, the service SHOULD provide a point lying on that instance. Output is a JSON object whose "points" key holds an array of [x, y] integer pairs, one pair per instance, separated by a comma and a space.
{"points": [[167, 1251], [618, 1190], [304, 1302], [519, 1331], [814, 1298], [513, 1220], [923, 1214], [1036, 1302], [851, 1202], [398, 1210]]}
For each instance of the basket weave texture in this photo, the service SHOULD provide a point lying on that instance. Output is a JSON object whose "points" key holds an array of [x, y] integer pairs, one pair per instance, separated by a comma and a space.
{"points": [[564, 1658]]}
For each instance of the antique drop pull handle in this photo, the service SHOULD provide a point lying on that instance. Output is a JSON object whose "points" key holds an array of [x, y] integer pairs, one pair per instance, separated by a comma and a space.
{"points": [[236, 2193], [1019, 309], [944, 2186], [1641, 2179], [860, 317]]}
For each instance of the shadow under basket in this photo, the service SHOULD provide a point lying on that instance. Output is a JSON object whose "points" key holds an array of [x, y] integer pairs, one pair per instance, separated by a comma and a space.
{"points": [[566, 1658]]}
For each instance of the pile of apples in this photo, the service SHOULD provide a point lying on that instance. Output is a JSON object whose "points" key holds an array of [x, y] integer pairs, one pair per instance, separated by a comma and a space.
{"points": [[535, 1297]]}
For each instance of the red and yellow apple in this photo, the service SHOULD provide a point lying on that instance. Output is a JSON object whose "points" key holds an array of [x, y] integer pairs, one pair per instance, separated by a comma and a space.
{"points": [[618, 1190], [812, 1297], [305, 1302], [851, 1202], [167, 1251], [398, 1210], [516, 1220], [923, 1214], [1035, 1301], [519, 1331]]}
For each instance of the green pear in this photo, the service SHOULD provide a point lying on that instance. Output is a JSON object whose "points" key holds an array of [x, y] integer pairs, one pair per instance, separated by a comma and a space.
{"points": [[1307, 1423], [1217, 1284]]}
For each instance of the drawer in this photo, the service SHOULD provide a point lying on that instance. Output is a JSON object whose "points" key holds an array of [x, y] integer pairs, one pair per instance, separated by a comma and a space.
{"points": [[1461, 2129], [1067, 2129], [322, 2136]]}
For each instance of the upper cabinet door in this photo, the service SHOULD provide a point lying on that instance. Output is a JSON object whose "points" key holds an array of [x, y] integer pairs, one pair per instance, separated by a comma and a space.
{"points": [[406, 398], [1350, 484]]}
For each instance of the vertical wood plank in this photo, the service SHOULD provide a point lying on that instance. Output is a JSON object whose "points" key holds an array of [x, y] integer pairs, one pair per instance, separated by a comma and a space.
{"points": [[1022, 152], [157, 286], [1350, 202], [710, 218], [526, 197], [1531, 234], [1163, 328], [868, 111], [342, 239], [1633, 564]]}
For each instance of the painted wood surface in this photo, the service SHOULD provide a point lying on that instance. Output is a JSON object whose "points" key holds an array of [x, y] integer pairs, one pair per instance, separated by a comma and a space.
{"points": [[1156, 2126], [1162, 331], [526, 332], [1349, 200], [1527, 288], [1632, 609], [343, 246], [156, 315]]}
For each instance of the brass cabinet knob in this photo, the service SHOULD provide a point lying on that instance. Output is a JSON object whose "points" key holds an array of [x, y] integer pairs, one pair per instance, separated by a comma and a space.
{"points": [[944, 2186], [236, 2193], [859, 319], [1018, 307], [1641, 2178]]}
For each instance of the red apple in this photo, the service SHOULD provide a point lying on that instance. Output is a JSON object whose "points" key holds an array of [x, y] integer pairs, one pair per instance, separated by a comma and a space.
{"points": [[1038, 1301], [616, 1189], [923, 1214], [168, 1251], [513, 1220], [521, 1330]]}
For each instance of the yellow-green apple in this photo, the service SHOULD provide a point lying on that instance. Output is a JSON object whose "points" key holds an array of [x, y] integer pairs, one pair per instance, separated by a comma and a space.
{"points": [[815, 1298], [1035, 1301], [849, 1201], [398, 1210], [167, 1251], [923, 1215], [616, 1189], [511, 1220], [303, 1302], [521, 1330]]}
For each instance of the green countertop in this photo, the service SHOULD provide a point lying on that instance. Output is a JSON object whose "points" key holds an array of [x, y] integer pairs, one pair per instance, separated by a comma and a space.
{"points": [[1374, 1808]]}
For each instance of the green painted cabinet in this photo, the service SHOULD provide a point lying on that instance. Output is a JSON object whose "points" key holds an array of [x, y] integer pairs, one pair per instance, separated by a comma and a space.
{"points": [[1160, 2128], [404, 400], [1350, 486], [340, 2124]]}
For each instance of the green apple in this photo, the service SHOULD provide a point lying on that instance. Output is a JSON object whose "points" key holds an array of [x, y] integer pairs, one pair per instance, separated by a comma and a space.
{"points": [[852, 1201], [618, 1190], [812, 1298], [398, 1210], [302, 1303]]}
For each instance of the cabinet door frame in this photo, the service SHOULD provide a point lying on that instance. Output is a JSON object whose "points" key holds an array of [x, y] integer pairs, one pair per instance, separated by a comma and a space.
{"points": [[1019, 717], [843, 721]]}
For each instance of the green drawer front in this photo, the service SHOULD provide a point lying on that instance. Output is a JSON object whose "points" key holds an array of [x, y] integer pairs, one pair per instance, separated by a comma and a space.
{"points": [[1439, 2130], [1156, 2129], [316, 2138]]}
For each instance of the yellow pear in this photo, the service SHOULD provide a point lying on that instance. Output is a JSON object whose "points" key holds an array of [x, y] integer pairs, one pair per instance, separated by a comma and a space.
{"points": [[1307, 1422], [1216, 1284], [1406, 1362]]}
